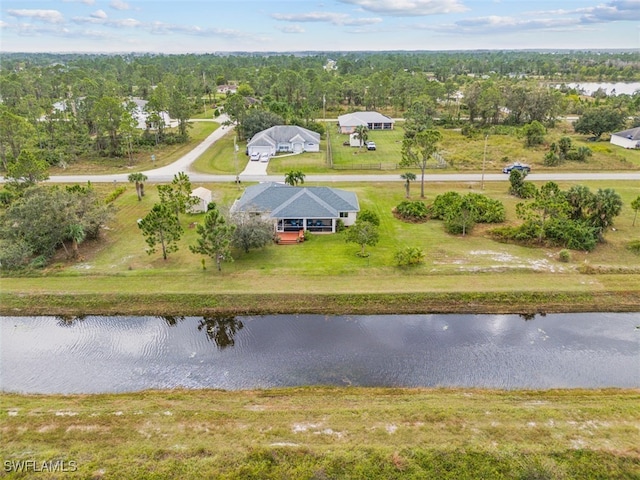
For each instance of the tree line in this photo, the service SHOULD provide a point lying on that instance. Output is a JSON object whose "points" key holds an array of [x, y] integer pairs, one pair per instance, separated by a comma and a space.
{"points": [[66, 107]]}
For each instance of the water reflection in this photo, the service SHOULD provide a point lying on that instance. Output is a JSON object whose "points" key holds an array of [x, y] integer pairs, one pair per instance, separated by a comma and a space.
{"points": [[221, 330], [531, 316], [112, 354], [69, 320], [171, 320]]}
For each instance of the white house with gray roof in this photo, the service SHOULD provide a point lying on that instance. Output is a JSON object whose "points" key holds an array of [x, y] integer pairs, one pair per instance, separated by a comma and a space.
{"points": [[372, 120], [627, 138], [284, 138], [315, 209]]}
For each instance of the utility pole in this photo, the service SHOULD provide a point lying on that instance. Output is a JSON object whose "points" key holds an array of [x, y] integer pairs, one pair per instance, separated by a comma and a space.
{"points": [[484, 158], [235, 161], [324, 108]]}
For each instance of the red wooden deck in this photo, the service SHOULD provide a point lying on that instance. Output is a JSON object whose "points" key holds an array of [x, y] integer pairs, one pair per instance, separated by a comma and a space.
{"points": [[290, 238]]}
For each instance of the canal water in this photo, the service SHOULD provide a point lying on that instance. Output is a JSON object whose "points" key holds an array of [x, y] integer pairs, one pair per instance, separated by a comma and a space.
{"points": [[116, 354]]}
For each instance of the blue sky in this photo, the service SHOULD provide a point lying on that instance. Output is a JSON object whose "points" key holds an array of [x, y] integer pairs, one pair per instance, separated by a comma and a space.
{"points": [[187, 26]]}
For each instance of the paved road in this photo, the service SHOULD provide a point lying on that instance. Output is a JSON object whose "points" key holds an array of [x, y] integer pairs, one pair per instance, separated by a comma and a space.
{"points": [[256, 172]]}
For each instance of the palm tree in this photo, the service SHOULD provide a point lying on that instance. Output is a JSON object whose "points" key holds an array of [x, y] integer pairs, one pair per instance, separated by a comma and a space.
{"points": [[294, 177], [77, 235], [362, 134], [408, 177], [139, 179]]}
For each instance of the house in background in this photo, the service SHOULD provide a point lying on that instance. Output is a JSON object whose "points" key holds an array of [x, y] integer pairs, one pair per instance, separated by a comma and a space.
{"points": [[227, 89], [627, 138], [141, 116], [284, 138], [372, 120], [204, 198], [296, 209]]}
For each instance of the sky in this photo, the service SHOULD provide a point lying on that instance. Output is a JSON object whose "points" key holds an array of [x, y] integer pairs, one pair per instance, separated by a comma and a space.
{"points": [[218, 26]]}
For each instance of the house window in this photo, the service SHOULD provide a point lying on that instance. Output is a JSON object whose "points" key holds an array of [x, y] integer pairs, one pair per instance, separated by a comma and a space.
{"points": [[344, 214]]}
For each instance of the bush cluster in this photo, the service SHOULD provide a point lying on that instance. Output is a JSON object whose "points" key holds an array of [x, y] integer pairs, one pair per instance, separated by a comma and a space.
{"points": [[576, 219], [415, 211], [409, 256], [460, 213]]}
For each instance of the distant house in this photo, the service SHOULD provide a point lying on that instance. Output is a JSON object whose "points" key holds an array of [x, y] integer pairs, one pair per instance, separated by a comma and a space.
{"points": [[203, 196], [141, 116], [372, 120], [627, 138], [227, 89], [316, 209], [284, 138]]}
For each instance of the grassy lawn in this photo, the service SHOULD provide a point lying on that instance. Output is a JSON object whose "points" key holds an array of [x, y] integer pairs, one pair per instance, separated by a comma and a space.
{"points": [[461, 153], [322, 433], [326, 265]]}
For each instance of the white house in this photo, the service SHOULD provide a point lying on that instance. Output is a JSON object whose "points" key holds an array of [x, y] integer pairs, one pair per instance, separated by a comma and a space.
{"points": [[292, 209], [204, 197], [228, 89], [627, 138], [284, 138], [372, 120], [141, 116]]}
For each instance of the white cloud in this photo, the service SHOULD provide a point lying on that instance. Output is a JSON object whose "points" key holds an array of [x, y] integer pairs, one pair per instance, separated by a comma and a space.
{"points": [[409, 8], [48, 16], [291, 29], [86, 2], [502, 25], [97, 19], [327, 17], [615, 11], [99, 14], [161, 28], [119, 5]]}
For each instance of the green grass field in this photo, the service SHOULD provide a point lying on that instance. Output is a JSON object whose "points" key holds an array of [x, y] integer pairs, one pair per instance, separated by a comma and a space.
{"points": [[327, 433], [118, 264], [124, 249], [461, 154]]}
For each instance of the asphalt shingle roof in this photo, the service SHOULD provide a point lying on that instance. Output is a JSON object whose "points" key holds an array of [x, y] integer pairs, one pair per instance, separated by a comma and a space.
{"points": [[285, 201], [362, 118], [283, 134], [632, 133]]}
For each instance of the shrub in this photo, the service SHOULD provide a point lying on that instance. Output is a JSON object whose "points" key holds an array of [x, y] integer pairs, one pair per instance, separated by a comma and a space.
{"points": [[115, 194], [340, 225], [519, 187], [460, 213], [442, 203], [459, 224], [14, 254], [634, 246], [487, 210], [369, 216], [564, 256], [413, 211], [6, 197], [573, 234], [551, 159], [409, 256]]}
